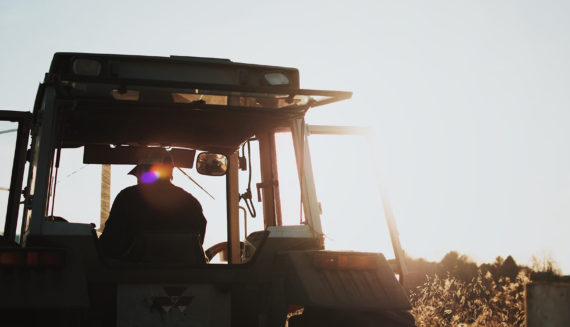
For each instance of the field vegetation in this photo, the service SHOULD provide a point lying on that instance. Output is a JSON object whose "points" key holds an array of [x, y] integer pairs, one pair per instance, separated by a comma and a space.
{"points": [[458, 292]]}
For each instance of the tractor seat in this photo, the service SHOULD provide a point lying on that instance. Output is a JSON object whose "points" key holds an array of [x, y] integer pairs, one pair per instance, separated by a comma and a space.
{"points": [[167, 248]]}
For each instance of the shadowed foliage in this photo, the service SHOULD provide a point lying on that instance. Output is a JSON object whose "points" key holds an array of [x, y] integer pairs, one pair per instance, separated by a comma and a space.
{"points": [[457, 292]]}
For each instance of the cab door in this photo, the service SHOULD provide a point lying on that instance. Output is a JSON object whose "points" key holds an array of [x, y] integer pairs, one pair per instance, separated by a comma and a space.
{"points": [[14, 137], [353, 178]]}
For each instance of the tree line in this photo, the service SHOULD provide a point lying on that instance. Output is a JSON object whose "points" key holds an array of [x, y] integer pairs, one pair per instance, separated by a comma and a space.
{"points": [[462, 268]]}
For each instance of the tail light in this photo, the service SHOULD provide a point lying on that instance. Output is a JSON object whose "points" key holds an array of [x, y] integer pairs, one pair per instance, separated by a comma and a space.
{"points": [[23, 258]]}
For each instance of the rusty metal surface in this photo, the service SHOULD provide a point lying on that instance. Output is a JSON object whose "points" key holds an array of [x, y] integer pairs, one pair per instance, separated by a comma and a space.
{"points": [[548, 304]]}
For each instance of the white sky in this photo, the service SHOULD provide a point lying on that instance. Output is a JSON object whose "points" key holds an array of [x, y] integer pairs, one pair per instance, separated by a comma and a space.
{"points": [[469, 98]]}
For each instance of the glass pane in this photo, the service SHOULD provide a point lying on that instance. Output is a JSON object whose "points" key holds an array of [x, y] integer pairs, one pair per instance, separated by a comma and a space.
{"points": [[8, 134], [289, 189], [214, 209], [77, 189], [352, 212], [78, 193]]}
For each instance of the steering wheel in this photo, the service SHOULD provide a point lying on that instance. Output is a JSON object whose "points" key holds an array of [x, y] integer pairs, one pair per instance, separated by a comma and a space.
{"points": [[213, 250]]}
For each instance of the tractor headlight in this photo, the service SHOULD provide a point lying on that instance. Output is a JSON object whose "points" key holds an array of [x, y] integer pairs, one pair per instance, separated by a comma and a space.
{"points": [[276, 79]]}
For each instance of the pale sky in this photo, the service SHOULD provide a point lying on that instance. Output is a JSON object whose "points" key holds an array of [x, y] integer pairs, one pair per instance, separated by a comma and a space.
{"points": [[469, 99]]}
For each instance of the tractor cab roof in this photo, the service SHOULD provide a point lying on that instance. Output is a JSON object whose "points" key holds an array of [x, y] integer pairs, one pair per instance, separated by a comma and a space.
{"points": [[199, 103]]}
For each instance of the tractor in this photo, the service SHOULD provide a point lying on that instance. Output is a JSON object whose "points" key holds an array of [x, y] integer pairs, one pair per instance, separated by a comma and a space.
{"points": [[220, 121]]}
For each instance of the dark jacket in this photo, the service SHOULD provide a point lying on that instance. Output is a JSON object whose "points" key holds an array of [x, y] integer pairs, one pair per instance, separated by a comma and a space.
{"points": [[156, 207]]}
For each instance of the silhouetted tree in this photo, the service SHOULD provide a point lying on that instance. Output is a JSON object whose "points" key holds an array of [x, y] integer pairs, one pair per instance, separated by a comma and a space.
{"points": [[499, 261], [463, 268], [509, 268], [458, 266], [419, 270]]}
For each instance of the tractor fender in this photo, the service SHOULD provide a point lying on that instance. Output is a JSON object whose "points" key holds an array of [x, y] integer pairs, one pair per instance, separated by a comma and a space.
{"points": [[342, 280]]}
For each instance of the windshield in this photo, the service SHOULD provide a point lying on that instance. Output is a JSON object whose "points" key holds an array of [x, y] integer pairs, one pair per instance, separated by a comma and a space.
{"points": [[345, 177], [79, 187]]}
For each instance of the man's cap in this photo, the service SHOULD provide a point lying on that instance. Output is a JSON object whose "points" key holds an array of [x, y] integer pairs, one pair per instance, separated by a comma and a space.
{"points": [[163, 159], [139, 169]]}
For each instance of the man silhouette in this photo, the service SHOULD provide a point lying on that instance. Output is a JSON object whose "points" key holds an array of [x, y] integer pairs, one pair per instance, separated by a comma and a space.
{"points": [[153, 205]]}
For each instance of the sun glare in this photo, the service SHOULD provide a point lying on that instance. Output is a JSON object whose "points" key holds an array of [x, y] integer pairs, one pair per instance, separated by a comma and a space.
{"points": [[149, 177]]}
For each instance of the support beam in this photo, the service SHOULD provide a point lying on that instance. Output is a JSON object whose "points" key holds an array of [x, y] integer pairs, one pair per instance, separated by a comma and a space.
{"points": [[232, 194], [13, 207], [105, 195], [41, 165], [275, 178], [267, 182]]}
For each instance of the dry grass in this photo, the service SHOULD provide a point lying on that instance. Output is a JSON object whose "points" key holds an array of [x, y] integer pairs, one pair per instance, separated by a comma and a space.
{"points": [[483, 301]]}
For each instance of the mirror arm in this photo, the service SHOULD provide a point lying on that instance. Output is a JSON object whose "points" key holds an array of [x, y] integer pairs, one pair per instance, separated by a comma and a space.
{"points": [[247, 195], [197, 184]]}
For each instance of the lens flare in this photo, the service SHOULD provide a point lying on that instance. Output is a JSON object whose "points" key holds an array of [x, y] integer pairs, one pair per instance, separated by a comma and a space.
{"points": [[149, 177]]}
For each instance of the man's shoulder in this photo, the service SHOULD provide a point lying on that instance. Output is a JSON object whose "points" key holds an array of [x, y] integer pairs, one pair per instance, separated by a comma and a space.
{"points": [[183, 193], [129, 191]]}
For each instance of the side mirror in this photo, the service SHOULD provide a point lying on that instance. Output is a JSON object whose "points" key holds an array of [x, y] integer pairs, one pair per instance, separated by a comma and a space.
{"points": [[211, 164]]}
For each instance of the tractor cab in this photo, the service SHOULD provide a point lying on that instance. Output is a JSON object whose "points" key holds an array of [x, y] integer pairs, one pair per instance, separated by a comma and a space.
{"points": [[224, 127]]}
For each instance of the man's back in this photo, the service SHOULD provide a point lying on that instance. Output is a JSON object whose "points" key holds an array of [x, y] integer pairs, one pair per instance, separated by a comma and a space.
{"points": [[155, 207]]}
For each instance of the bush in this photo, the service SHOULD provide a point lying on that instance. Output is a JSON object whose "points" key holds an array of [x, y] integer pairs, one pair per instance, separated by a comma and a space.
{"points": [[483, 301]]}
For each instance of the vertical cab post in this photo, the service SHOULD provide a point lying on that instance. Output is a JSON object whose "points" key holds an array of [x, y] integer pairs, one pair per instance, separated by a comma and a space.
{"points": [[232, 198], [23, 119], [41, 165], [275, 179], [266, 138]]}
